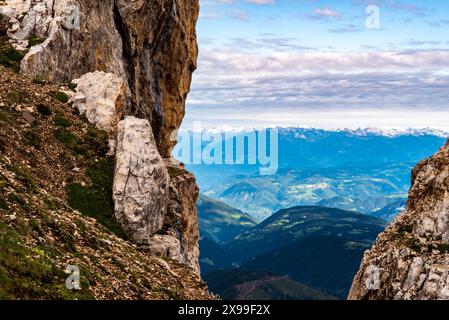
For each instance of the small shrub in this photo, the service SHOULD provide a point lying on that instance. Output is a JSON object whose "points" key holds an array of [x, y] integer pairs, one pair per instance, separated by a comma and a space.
{"points": [[33, 139], [60, 121], [67, 138], [44, 110], [34, 40], [4, 116], [62, 97]]}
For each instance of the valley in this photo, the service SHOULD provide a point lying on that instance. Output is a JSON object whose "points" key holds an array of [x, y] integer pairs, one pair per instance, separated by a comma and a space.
{"points": [[300, 234]]}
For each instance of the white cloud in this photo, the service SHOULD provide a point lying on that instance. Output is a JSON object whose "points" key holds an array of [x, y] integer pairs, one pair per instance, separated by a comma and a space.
{"points": [[241, 84], [260, 1]]}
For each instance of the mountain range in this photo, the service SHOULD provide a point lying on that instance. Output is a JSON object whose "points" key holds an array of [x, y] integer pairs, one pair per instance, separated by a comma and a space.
{"points": [[356, 170]]}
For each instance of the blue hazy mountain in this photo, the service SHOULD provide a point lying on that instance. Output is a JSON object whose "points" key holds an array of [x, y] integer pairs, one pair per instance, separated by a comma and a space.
{"points": [[390, 211], [358, 170]]}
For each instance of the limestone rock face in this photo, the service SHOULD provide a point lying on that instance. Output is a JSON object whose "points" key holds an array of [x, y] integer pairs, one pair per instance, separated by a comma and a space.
{"points": [[149, 44], [410, 260], [141, 181], [165, 246], [181, 221], [101, 97]]}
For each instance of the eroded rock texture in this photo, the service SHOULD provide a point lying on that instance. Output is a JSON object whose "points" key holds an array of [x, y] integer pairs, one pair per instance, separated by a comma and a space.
{"points": [[141, 181], [101, 97], [151, 44], [181, 220], [410, 260]]}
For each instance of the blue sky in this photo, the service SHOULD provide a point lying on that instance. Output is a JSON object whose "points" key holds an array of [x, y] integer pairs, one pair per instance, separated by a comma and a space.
{"points": [[315, 63]]}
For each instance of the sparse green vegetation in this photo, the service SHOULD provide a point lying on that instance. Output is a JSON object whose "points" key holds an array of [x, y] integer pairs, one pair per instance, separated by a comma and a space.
{"points": [[28, 273], [60, 121], [10, 58], [62, 97], [443, 248], [34, 40], [96, 200], [3, 203], [32, 138], [67, 138], [23, 176], [72, 86], [14, 97], [95, 143], [4, 116]]}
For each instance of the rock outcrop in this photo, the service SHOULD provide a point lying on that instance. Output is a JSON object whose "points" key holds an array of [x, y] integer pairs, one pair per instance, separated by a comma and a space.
{"points": [[410, 260], [141, 181], [101, 97], [133, 61], [149, 44], [56, 209]]}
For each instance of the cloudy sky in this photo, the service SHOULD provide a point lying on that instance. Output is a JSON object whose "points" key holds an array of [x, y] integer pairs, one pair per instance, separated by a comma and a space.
{"points": [[320, 63]]}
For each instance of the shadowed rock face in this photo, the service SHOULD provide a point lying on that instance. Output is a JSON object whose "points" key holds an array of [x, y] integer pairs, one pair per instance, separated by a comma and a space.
{"points": [[159, 44], [410, 260], [151, 44]]}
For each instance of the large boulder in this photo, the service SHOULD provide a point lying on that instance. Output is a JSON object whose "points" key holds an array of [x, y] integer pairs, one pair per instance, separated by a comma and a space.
{"points": [[141, 181], [101, 97]]}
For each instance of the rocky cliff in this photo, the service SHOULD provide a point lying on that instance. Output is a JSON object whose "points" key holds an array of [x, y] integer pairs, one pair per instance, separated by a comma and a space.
{"points": [[410, 260], [151, 44], [125, 67]]}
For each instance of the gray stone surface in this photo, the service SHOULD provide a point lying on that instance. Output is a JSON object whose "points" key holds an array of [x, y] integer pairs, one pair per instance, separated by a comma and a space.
{"points": [[411, 257], [141, 181]]}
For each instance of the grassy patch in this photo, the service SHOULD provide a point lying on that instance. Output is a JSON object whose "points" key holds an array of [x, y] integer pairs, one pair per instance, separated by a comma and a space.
{"points": [[62, 97], [4, 116], [23, 176], [34, 41], [60, 121], [39, 80], [95, 143], [33, 139], [15, 97], [28, 273], [10, 58], [96, 200]]}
